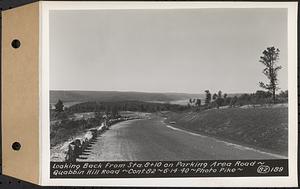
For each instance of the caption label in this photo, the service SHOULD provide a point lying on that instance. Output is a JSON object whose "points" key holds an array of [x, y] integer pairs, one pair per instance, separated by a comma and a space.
{"points": [[127, 169]]}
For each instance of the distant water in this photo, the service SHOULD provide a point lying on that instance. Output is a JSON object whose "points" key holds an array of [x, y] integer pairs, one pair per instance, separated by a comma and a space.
{"points": [[179, 102]]}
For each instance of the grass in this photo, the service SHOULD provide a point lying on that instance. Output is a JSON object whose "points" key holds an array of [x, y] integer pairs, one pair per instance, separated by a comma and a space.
{"points": [[261, 128]]}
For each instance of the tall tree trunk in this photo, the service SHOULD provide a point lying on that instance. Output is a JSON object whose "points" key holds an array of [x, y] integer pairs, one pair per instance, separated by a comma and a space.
{"points": [[274, 97]]}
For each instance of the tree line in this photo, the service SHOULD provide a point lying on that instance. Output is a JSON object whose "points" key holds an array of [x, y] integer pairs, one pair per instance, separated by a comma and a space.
{"points": [[112, 108], [219, 99]]}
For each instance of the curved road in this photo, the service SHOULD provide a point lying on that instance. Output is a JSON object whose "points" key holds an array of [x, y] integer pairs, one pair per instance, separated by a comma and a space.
{"points": [[153, 140]]}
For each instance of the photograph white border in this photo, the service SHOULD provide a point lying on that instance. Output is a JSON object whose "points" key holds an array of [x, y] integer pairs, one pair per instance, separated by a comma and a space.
{"points": [[291, 180]]}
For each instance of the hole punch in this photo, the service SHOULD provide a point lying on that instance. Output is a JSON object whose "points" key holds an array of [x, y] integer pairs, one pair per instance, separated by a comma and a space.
{"points": [[16, 43], [16, 146]]}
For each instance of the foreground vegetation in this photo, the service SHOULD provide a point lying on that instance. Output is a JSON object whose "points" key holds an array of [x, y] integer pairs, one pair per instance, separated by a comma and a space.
{"points": [[67, 126], [63, 130]]}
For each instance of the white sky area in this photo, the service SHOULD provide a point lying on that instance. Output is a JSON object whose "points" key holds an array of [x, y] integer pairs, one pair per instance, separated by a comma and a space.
{"points": [[185, 51]]}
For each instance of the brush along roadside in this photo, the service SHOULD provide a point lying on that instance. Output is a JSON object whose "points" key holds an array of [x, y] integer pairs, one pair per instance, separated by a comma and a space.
{"points": [[72, 149]]}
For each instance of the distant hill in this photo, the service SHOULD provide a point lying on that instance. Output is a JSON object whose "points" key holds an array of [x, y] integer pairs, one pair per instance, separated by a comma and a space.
{"points": [[113, 96]]}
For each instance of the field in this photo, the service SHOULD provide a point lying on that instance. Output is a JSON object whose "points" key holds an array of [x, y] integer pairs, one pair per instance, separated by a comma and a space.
{"points": [[264, 128]]}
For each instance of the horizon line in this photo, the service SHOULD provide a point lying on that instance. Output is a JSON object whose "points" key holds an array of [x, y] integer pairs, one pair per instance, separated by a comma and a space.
{"points": [[191, 93]]}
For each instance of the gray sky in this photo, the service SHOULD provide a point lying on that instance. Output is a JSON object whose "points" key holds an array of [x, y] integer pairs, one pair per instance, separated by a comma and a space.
{"points": [[164, 50]]}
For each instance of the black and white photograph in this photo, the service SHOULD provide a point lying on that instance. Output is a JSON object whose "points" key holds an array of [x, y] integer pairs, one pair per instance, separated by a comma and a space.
{"points": [[168, 85], [150, 94], [169, 94]]}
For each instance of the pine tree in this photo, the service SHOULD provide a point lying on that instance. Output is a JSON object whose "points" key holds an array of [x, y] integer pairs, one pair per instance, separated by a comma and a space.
{"points": [[208, 97], [269, 59], [59, 106]]}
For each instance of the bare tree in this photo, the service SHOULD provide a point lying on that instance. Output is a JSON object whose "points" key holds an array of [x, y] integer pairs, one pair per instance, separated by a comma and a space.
{"points": [[269, 59]]}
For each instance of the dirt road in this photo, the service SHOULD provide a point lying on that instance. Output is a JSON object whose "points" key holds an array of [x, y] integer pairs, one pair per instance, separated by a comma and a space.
{"points": [[153, 140]]}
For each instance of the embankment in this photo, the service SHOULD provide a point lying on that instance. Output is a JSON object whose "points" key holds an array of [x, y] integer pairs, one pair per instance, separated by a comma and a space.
{"points": [[264, 128]]}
